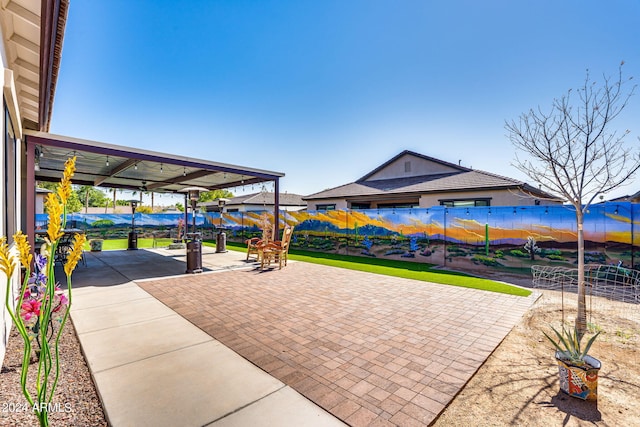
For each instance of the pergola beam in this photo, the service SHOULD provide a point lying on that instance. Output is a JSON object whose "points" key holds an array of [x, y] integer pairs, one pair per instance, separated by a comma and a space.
{"points": [[113, 172]]}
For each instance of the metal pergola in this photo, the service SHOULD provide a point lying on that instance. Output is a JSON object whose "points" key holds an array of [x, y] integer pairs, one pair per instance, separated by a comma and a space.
{"points": [[115, 166]]}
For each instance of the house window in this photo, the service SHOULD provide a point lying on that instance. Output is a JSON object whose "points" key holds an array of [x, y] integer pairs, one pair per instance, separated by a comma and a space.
{"points": [[408, 205], [356, 206], [9, 178], [326, 207], [465, 203]]}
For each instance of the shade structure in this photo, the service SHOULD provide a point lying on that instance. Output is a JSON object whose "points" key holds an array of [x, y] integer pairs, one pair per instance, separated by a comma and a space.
{"points": [[116, 166]]}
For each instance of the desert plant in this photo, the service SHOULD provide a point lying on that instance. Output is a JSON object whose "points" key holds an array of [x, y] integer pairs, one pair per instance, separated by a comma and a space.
{"points": [[41, 303], [568, 345]]}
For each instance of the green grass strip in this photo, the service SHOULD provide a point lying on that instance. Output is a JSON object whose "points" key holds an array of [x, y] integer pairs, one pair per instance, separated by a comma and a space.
{"points": [[403, 269], [121, 244]]}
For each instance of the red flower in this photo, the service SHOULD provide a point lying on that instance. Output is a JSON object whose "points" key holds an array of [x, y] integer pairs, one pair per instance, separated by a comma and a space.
{"points": [[30, 308]]}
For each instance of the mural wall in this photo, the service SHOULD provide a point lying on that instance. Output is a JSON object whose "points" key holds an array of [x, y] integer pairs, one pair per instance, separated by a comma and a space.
{"points": [[505, 238], [508, 238]]}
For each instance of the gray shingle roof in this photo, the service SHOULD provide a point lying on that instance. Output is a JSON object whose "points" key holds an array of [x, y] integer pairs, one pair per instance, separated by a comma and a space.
{"points": [[266, 198], [470, 180]]}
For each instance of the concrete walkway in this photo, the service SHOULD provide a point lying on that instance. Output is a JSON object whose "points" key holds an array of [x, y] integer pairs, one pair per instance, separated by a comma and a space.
{"points": [[306, 345], [154, 368]]}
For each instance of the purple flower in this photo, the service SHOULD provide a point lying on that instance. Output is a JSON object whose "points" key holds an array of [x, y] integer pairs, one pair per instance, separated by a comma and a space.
{"points": [[40, 262]]}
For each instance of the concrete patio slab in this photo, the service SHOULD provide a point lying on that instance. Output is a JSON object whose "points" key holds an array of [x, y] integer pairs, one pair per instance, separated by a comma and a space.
{"points": [[285, 407], [113, 347], [191, 386], [99, 317], [107, 295]]}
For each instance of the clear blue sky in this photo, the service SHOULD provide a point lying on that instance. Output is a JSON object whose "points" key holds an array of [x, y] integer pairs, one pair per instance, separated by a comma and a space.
{"points": [[326, 91]]}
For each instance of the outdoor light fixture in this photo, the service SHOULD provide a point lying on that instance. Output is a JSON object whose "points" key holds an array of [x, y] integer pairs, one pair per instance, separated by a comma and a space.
{"points": [[107, 162], [38, 155]]}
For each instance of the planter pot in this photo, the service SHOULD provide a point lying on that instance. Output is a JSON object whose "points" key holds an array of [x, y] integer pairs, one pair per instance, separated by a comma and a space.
{"points": [[96, 245], [579, 381]]}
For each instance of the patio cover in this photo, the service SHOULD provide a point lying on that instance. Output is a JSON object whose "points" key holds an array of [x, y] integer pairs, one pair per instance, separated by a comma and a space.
{"points": [[115, 166]]}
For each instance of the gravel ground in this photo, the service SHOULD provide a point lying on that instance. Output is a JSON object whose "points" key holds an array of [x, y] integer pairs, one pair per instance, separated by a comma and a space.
{"points": [[76, 401]]}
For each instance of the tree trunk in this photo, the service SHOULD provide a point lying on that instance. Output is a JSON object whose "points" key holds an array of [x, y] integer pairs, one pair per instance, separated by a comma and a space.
{"points": [[581, 318]]}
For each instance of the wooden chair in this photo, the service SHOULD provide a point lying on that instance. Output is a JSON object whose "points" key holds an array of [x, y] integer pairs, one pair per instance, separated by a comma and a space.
{"points": [[253, 244], [276, 251]]}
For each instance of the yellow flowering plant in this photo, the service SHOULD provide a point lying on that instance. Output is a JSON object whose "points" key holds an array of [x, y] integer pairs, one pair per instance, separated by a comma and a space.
{"points": [[41, 302]]}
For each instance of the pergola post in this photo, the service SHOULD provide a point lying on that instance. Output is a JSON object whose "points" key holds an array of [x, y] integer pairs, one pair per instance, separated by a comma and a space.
{"points": [[276, 207]]}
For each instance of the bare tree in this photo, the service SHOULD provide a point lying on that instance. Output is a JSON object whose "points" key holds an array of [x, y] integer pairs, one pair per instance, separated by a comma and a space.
{"points": [[574, 152]]}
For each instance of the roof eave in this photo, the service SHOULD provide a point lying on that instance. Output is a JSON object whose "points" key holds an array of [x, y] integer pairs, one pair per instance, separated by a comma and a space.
{"points": [[53, 22]]}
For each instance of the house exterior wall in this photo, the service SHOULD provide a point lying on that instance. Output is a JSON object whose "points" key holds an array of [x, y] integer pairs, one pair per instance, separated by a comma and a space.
{"points": [[409, 166], [258, 207], [497, 198], [340, 204], [507, 197], [11, 194]]}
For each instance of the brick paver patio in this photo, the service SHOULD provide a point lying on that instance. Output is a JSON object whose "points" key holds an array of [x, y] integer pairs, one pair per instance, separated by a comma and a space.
{"points": [[370, 349]]}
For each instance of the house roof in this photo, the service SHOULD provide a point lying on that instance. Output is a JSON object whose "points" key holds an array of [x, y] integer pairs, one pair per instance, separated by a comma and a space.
{"points": [[464, 180], [627, 198], [262, 198], [414, 154], [33, 32]]}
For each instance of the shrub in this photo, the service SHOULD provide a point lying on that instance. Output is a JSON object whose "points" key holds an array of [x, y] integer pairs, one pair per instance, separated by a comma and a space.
{"points": [[103, 223], [491, 262], [518, 253]]}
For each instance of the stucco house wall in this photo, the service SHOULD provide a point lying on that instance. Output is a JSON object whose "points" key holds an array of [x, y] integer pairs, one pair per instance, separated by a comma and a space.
{"points": [[11, 155], [415, 180], [497, 198]]}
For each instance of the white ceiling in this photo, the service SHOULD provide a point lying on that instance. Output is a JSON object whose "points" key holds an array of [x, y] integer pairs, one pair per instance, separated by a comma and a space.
{"points": [[20, 20]]}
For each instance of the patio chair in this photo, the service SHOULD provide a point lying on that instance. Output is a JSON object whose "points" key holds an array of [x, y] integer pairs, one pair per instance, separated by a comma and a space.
{"points": [[276, 251], [63, 250], [254, 243]]}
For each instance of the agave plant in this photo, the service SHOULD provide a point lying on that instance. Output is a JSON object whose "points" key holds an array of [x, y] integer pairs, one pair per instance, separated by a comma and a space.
{"points": [[568, 345]]}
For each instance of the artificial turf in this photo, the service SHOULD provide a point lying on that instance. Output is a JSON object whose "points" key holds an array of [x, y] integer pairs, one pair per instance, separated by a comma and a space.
{"points": [[397, 268]]}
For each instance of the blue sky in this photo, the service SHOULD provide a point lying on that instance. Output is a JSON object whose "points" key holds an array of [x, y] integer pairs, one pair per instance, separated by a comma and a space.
{"points": [[326, 91]]}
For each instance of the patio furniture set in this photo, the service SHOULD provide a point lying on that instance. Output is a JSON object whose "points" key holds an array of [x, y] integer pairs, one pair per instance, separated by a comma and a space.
{"points": [[266, 250]]}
